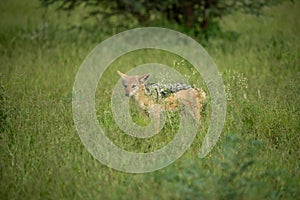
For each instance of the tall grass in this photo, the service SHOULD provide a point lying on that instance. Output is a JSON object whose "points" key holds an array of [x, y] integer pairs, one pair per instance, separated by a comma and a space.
{"points": [[42, 156]]}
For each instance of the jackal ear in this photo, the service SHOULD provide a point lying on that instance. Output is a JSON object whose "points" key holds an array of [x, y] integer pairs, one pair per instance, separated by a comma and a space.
{"points": [[121, 74], [144, 78]]}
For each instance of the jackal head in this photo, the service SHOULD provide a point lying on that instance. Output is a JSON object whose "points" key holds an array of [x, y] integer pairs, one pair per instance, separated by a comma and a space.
{"points": [[133, 83]]}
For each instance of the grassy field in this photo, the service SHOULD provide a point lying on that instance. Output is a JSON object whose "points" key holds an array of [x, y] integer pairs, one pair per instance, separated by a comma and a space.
{"points": [[42, 157]]}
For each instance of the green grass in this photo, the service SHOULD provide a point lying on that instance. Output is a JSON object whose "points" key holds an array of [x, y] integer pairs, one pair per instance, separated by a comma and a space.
{"points": [[42, 156]]}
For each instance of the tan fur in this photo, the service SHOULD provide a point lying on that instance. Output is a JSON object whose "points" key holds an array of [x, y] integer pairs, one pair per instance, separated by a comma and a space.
{"points": [[192, 98]]}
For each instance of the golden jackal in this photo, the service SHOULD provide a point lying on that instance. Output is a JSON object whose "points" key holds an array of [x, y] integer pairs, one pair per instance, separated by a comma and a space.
{"points": [[155, 97]]}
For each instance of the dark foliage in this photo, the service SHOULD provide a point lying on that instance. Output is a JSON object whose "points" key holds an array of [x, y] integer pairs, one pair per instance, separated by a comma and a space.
{"points": [[194, 16]]}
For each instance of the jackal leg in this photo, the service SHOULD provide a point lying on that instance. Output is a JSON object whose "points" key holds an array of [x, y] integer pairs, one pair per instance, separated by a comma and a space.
{"points": [[156, 115], [190, 103]]}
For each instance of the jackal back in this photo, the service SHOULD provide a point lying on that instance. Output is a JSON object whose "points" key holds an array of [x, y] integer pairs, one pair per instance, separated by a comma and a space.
{"points": [[160, 91]]}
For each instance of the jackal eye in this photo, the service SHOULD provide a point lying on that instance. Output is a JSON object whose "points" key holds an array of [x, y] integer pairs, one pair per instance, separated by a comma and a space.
{"points": [[125, 86], [133, 86]]}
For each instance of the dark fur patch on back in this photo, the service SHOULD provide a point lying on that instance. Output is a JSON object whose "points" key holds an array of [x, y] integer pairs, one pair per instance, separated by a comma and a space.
{"points": [[158, 90]]}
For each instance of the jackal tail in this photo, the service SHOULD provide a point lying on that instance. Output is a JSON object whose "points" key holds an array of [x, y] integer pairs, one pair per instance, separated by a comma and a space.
{"points": [[201, 95]]}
